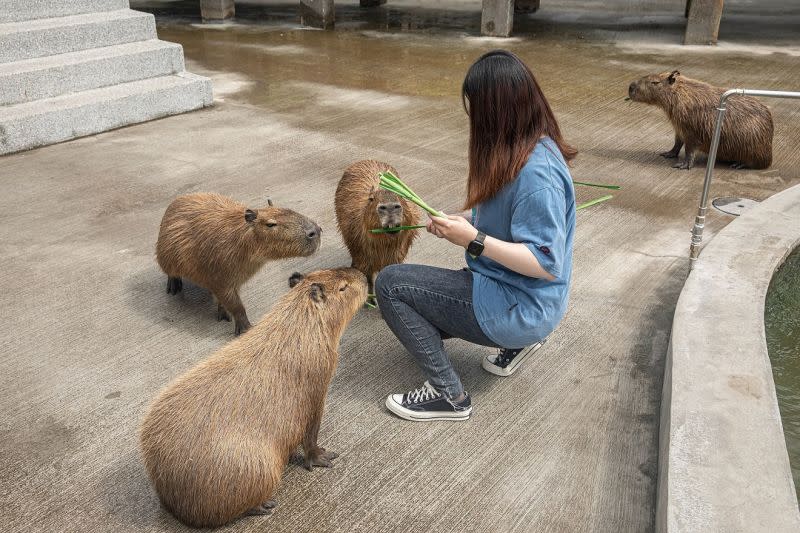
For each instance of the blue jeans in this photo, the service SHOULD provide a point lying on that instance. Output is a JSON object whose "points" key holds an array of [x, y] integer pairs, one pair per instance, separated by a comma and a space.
{"points": [[423, 305]]}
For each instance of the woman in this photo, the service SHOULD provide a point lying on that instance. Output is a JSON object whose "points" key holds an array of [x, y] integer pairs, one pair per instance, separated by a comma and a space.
{"points": [[518, 238]]}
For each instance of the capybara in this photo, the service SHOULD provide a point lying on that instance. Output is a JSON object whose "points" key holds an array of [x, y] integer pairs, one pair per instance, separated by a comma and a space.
{"points": [[218, 243], [216, 440], [691, 106], [361, 205]]}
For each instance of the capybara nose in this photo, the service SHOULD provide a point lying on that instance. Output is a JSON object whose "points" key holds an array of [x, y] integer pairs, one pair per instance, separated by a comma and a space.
{"points": [[313, 233]]}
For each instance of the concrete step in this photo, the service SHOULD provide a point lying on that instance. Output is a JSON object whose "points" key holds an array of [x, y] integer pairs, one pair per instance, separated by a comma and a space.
{"points": [[51, 36], [12, 11], [41, 122], [46, 77]]}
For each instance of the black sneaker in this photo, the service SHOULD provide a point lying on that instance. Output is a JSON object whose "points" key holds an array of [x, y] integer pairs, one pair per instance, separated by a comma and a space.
{"points": [[426, 403], [507, 360]]}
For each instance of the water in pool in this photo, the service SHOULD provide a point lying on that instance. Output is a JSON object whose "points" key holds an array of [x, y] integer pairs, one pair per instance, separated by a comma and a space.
{"points": [[782, 320]]}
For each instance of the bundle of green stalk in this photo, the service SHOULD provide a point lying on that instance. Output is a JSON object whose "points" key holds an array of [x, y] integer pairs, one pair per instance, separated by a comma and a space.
{"points": [[392, 183]]}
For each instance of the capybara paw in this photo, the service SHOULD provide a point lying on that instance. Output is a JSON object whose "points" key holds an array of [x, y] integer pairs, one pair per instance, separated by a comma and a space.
{"points": [[738, 166], [683, 165], [241, 327], [320, 458], [222, 314], [174, 285], [265, 509], [669, 154]]}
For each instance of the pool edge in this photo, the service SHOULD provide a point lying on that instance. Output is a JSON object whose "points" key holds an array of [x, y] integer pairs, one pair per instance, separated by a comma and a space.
{"points": [[723, 463]]}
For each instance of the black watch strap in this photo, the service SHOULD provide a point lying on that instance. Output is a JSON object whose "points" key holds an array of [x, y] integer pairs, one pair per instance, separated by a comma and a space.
{"points": [[475, 248]]}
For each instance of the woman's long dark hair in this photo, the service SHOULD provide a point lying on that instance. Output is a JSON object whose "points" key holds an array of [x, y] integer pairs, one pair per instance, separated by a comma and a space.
{"points": [[508, 114]]}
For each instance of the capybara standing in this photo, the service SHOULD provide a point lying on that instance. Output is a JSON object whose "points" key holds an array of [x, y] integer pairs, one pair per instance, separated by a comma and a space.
{"points": [[219, 244], [691, 105], [216, 440], [361, 205]]}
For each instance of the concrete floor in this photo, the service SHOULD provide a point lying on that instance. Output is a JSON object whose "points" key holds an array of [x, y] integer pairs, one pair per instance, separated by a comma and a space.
{"points": [[568, 444]]}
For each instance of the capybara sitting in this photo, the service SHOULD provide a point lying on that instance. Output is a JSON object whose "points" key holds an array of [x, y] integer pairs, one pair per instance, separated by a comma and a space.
{"points": [[219, 244], [216, 440], [691, 105], [362, 205]]}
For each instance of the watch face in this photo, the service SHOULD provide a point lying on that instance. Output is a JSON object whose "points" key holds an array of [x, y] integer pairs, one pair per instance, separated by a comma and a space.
{"points": [[475, 248]]}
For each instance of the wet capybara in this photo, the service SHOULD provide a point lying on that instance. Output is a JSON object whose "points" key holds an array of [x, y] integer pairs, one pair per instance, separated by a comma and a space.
{"points": [[216, 440], [361, 205], [691, 106], [218, 243]]}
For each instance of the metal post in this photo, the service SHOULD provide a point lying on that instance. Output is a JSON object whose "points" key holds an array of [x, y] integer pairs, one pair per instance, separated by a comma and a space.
{"points": [[700, 218]]}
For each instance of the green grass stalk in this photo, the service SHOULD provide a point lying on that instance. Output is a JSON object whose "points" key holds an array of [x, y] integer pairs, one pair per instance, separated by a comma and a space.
{"points": [[595, 201]]}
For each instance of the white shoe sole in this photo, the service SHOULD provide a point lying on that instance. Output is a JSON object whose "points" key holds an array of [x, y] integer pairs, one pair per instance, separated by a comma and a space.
{"points": [[492, 368], [415, 416]]}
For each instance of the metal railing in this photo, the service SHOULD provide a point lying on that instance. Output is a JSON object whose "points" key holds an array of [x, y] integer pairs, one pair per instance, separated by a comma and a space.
{"points": [[700, 218]]}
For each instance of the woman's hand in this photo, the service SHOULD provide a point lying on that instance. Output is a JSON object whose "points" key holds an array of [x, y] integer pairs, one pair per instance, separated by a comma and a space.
{"points": [[454, 228]]}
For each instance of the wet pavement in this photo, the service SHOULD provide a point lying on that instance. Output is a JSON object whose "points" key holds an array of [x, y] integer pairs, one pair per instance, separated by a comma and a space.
{"points": [[567, 444]]}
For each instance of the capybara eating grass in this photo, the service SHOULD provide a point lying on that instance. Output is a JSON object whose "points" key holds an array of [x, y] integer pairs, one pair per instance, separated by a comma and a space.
{"points": [[219, 244], [691, 106], [215, 442], [361, 205]]}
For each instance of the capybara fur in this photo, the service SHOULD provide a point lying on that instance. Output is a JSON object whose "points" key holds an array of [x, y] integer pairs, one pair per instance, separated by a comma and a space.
{"points": [[216, 440], [218, 243], [691, 106], [361, 205]]}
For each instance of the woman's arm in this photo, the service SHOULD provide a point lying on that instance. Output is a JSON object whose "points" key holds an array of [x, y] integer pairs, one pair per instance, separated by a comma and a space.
{"points": [[512, 255]]}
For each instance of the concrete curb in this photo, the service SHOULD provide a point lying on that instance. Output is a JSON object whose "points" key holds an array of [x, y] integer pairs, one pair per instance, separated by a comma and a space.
{"points": [[723, 464]]}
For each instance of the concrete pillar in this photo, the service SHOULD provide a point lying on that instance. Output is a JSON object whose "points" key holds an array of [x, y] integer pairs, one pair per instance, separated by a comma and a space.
{"points": [[526, 6], [217, 9], [371, 3], [497, 18], [317, 13], [703, 24]]}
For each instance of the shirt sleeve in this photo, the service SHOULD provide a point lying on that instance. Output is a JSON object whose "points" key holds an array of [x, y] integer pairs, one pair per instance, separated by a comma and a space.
{"points": [[539, 222]]}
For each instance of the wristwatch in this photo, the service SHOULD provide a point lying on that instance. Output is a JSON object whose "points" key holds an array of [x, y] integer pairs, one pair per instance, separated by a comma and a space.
{"points": [[475, 248]]}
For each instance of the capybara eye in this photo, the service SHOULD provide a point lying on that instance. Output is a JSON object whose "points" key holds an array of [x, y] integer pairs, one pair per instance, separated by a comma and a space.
{"points": [[655, 82], [382, 207], [271, 223], [342, 288]]}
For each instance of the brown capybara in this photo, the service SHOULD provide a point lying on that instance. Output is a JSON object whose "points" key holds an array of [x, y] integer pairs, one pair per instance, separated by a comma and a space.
{"points": [[361, 205], [216, 440], [219, 244], [691, 106]]}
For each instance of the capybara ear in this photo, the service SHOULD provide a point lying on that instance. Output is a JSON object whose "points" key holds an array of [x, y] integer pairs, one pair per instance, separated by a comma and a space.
{"points": [[317, 292], [269, 201], [250, 215], [672, 75], [295, 278]]}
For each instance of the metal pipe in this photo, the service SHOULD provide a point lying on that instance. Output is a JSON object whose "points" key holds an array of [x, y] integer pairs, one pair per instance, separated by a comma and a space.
{"points": [[700, 218]]}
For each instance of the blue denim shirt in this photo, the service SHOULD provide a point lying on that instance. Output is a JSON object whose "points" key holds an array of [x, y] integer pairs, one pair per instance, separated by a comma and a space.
{"points": [[538, 210]]}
